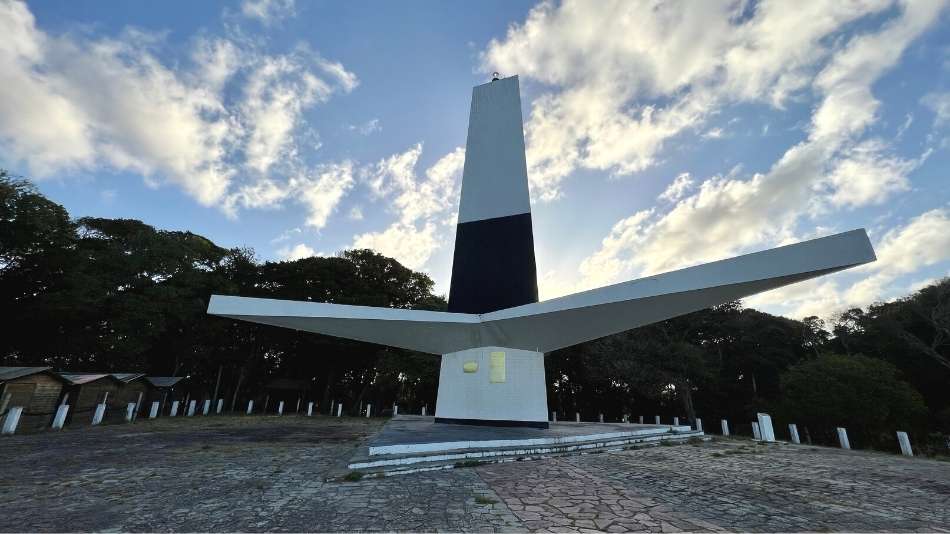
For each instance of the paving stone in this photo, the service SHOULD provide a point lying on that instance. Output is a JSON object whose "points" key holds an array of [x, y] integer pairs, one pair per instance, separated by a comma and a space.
{"points": [[776, 489], [268, 474]]}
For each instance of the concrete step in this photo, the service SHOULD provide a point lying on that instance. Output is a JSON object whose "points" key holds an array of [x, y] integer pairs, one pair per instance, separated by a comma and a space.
{"points": [[395, 459]]}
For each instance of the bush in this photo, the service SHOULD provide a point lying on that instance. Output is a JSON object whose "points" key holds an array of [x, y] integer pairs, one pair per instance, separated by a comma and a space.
{"points": [[862, 394]]}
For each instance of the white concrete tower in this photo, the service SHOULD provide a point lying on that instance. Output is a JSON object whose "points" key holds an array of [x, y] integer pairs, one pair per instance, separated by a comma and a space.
{"points": [[493, 268], [493, 336]]}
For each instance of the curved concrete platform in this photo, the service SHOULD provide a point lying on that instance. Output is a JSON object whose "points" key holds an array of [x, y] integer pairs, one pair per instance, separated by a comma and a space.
{"points": [[411, 443]]}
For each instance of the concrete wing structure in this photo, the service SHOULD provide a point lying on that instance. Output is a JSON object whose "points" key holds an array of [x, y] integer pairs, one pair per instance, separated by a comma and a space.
{"points": [[423, 331], [565, 321], [494, 336], [573, 319]]}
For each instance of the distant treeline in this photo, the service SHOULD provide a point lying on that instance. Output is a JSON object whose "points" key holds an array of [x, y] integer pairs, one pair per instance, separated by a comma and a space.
{"points": [[117, 295]]}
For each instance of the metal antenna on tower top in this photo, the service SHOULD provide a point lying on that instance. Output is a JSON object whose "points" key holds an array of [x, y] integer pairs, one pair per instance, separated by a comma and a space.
{"points": [[495, 76]]}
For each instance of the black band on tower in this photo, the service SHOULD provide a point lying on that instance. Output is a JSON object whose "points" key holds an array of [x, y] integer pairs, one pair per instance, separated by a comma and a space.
{"points": [[493, 266]]}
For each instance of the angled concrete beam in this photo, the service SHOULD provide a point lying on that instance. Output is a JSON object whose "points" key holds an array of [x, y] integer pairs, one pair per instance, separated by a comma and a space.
{"points": [[565, 321]]}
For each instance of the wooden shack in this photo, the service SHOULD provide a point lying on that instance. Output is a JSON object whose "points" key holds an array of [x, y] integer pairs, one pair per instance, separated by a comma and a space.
{"points": [[87, 390], [36, 389], [134, 389], [164, 390]]}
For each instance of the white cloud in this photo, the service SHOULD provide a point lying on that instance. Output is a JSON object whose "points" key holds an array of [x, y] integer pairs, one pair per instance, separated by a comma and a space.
{"points": [[728, 215], [923, 242], [279, 89], [867, 176], [297, 252], [319, 189], [619, 79], [367, 128], [286, 235], [421, 204], [395, 173], [322, 190], [355, 214], [939, 103], [713, 133], [74, 102], [268, 11], [412, 245], [681, 185]]}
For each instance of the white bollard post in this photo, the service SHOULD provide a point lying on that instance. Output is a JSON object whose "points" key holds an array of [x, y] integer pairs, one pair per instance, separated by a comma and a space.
{"points": [[99, 413], [12, 419], [174, 409], [657, 419], [250, 407], [395, 410], [310, 409], [298, 406], [206, 407], [220, 406], [676, 421], [339, 410], [626, 418], [425, 409], [153, 412], [843, 438], [725, 427], [904, 441], [765, 427], [129, 412], [641, 419], [60, 418], [369, 409], [793, 433], [699, 424], [756, 433], [191, 408], [577, 416], [280, 408], [332, 406], [600, 418], [554, 417]]}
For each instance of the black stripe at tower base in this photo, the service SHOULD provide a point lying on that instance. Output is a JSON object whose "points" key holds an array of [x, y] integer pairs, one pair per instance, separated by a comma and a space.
{"points": [[493, 267], [492, 422]]}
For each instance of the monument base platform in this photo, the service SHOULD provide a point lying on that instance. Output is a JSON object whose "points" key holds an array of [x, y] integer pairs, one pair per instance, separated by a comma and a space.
{"points": [[412, 443]]}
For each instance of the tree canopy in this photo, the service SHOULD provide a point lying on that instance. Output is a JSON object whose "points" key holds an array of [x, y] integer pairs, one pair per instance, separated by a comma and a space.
{"points": [[95, 294]]}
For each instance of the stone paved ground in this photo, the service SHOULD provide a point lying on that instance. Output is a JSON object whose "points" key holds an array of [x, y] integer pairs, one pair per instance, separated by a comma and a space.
{"points": [[267, 474]]}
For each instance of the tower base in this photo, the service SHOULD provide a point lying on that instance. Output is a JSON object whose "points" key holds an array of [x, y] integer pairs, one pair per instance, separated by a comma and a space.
{"points": [[493, 386]]}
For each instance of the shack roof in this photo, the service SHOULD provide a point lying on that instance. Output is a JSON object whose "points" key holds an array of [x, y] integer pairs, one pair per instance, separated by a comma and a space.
{"points": [[77, 379], [127, 377], [11, 373], [164, 381]]}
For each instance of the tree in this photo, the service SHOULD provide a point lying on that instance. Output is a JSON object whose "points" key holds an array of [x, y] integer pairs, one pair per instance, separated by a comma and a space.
{"points": [[864, 395]]}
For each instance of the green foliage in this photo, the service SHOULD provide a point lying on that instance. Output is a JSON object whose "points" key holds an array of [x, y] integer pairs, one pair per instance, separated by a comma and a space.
{"points": [[119, 295], [859, 393], [98, 294]]}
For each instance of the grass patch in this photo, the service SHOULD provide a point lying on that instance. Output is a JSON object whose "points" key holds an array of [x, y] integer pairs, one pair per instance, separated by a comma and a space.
{"points": [[695, 440], [353, 476], [481, 499], [718, 454], [468, 463], [665, 443]]}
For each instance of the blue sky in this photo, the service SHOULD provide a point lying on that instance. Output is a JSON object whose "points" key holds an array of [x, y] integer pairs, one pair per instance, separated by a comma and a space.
{"points": [[658, 136]]}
